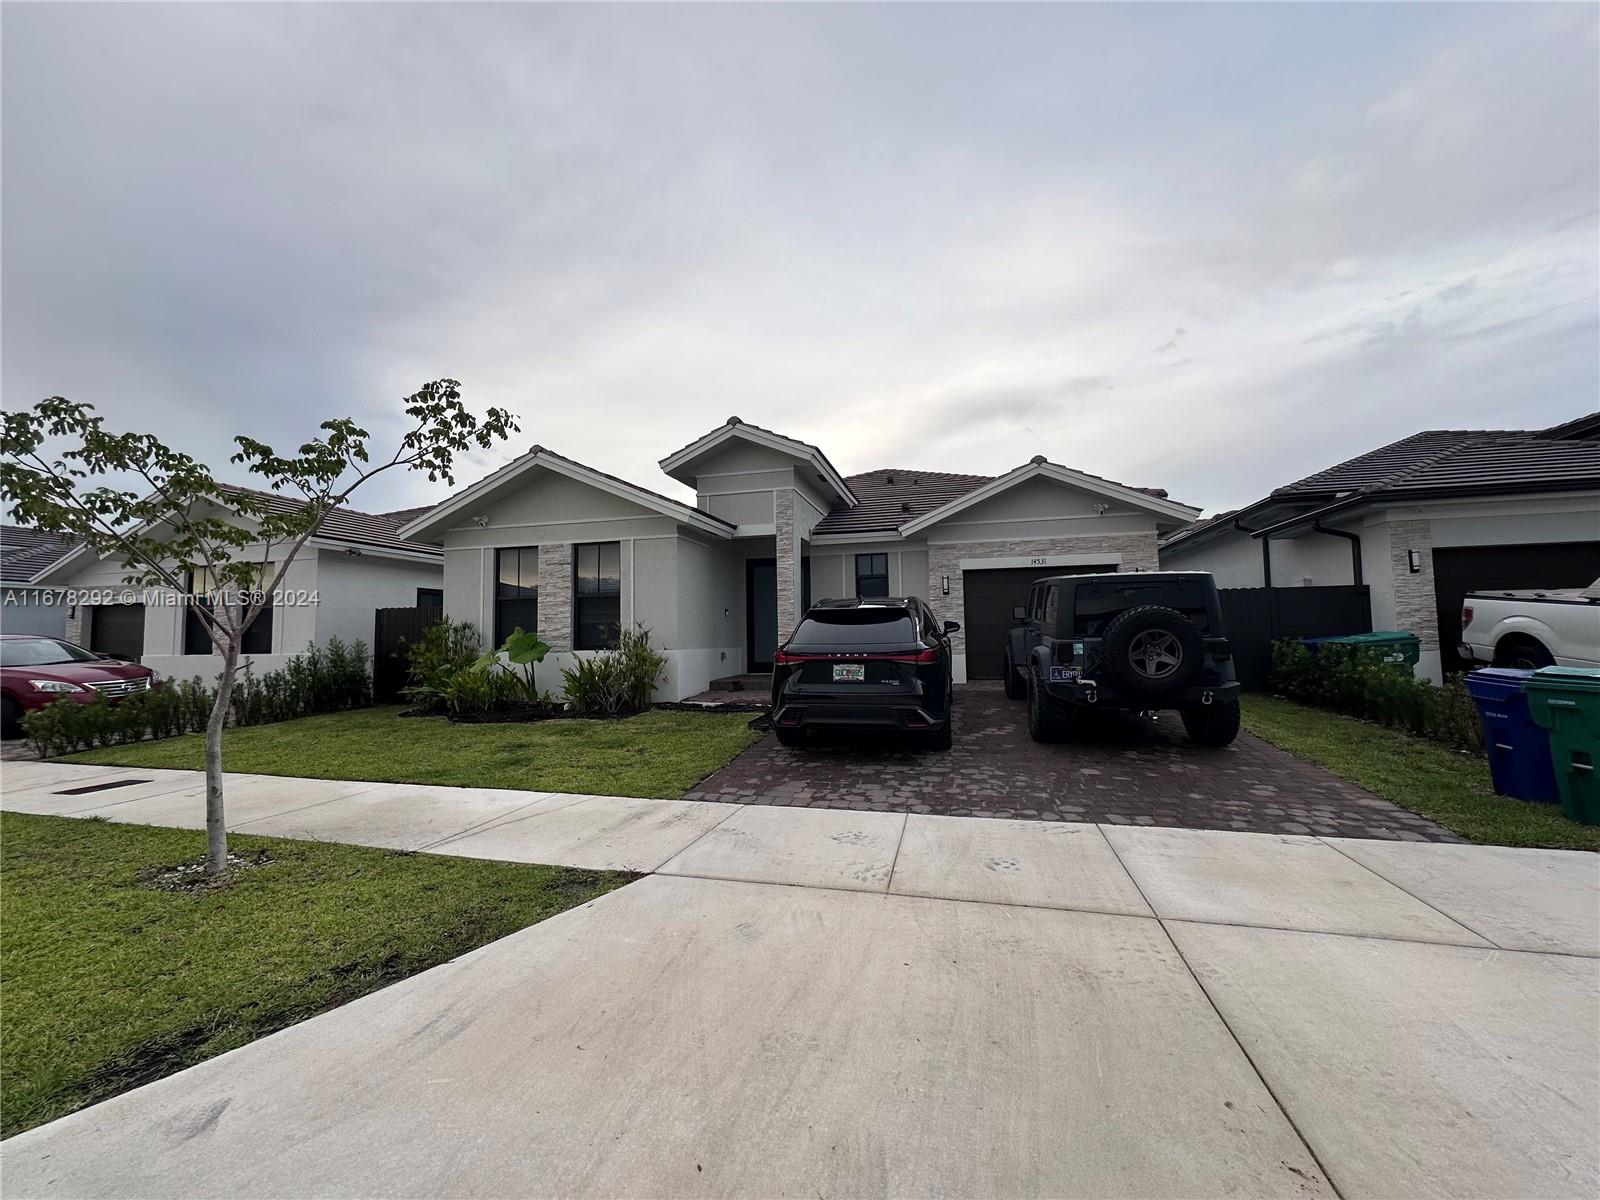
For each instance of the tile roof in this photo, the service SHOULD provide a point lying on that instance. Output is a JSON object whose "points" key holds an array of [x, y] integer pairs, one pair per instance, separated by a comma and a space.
{"points": [[1385, 462], [1504, 461], [1454, 461], [1460, 459], [25, 551], [890, 497], [349, 524]]}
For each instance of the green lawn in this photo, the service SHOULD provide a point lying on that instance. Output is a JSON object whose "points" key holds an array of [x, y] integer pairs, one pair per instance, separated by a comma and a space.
{"points": [[660, 753], [1448, 787], [109, 983]]}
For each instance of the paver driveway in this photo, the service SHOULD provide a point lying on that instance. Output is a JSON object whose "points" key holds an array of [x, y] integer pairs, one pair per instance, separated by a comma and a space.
{"points": [[1126, 771]]}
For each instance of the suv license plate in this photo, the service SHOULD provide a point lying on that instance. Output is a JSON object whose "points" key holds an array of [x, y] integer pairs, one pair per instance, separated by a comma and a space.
{"points": [[849, 672], [1060, 674]]}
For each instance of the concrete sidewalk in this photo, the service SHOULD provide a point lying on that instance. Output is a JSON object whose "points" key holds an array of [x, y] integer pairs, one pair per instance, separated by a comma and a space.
{"points": [[814, 1002]]}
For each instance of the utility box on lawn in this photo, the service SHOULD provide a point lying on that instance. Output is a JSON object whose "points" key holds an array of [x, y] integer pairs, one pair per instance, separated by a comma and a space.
{"points": [[1518, 748], [1566, 701]]}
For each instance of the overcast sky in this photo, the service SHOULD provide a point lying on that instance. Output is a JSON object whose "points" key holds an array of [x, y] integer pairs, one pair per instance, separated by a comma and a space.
{"points": [[1206, 248]]}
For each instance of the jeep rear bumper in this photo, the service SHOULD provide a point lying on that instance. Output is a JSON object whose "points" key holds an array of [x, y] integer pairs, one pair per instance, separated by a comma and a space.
{"points": [[1089, 691]]}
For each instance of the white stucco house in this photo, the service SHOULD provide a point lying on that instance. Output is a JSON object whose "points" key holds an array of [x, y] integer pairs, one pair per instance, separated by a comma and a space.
{"points": [[548, 543], [1420, 522], [356, 565], [24, 606]]}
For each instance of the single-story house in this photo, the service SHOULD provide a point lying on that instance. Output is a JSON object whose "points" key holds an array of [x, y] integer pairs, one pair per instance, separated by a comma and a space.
{"points": [[548, 543], [354, 566], [25, 607], [1420, 522]]}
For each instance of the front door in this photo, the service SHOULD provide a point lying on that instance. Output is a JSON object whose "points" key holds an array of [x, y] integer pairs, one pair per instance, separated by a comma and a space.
{"points": [[760, 612]]}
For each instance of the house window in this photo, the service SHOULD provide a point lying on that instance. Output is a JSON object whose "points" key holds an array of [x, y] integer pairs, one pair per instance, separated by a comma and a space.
{"points": [[197, 638], [516, 592], [430, 597], [596, 595], [872, 575]]}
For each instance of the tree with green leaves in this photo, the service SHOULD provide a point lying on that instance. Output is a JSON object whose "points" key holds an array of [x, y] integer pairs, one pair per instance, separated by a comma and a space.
{"points": [[182, 526]]}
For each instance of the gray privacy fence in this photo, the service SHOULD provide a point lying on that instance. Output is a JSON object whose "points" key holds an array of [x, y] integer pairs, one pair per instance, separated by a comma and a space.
{"points": [[1256, 617]]}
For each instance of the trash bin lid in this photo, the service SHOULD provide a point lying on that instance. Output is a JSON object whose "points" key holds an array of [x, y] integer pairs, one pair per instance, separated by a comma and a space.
{"points": [[1496, 683], [1565, 679], [1381, 637]]}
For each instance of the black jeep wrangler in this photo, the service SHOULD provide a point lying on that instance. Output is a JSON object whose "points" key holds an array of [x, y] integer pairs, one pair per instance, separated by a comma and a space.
{"points": [[1136, 641]]}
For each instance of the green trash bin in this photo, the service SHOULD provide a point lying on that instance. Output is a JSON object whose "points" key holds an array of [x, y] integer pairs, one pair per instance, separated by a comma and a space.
{"points": [[1566, 701], [1391, 646]]}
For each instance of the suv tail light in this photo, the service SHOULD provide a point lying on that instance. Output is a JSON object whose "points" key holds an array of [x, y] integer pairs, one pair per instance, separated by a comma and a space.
{"points": [[789, 658], [1466, 615]]}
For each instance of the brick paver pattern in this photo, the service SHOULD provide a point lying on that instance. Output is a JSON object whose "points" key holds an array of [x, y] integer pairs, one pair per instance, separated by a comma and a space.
{"points": [[1125, 771]]}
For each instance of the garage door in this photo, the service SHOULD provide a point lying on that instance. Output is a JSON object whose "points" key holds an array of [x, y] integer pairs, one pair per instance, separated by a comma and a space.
{"points": [[117, 629], [1458, 570], [990, 597]]}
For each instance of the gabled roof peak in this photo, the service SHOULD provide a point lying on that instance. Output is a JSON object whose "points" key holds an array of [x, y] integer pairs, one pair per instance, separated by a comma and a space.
{"points": [[678, 464]]}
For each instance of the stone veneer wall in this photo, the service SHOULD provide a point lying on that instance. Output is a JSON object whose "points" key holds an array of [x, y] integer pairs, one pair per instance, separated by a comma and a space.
{"points": [[788, 556], [555, 595], [1137, 550], [1415, 605], [74, 629]]}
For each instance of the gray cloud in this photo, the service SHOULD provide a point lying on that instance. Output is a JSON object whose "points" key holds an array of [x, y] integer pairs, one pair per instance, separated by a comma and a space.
{"points": [[945, 237]]}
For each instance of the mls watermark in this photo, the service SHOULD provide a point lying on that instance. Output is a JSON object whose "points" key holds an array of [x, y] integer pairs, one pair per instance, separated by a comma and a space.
{"points": [[15, 597]]}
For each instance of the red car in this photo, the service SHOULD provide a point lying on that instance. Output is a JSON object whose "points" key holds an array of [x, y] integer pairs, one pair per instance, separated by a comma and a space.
{"points": [[35, 671]]}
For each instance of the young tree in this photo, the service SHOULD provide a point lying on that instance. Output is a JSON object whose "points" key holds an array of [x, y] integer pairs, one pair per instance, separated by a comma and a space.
{"points": [[183, 526]]}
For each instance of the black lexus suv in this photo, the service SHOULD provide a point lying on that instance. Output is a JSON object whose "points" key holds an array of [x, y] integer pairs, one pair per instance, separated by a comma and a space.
{"points": [[1138, 640], [882, 663]]}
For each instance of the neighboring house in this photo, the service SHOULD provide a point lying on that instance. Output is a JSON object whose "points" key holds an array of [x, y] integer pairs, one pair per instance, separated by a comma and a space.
{"points": [[25, 608], [548, 543], [355, 565], [1421, 522]]}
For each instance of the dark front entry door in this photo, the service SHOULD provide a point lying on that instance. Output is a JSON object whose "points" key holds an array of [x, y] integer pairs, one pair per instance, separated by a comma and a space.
{"points": [[760, 612]]}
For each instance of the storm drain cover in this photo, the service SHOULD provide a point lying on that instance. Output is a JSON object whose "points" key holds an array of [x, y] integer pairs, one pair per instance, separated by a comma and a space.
{"points": [[99, 787]]}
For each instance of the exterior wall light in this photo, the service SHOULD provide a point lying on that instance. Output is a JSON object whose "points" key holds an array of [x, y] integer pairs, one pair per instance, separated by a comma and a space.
{"points": [[944, 585], [1414, 558]]}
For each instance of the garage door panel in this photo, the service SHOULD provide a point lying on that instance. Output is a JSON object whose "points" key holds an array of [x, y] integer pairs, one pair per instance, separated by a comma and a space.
{"points": [[1458, 570], [989, 598], [117, 629]]}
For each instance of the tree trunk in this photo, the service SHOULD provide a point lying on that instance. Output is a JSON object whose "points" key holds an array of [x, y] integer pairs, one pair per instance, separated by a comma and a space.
{"points": [[216, 828]]}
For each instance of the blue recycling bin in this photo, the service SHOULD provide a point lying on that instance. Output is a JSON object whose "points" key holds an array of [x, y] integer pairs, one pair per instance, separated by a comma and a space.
{"points": [[1518, 749]]}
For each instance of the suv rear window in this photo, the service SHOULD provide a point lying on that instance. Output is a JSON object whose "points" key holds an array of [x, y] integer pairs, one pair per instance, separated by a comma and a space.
{"points": [[1094, 604], [834, 629]]}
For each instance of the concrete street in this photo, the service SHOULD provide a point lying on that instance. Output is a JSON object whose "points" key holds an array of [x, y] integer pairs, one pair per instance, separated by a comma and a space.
{"points": [[807, 1002]]}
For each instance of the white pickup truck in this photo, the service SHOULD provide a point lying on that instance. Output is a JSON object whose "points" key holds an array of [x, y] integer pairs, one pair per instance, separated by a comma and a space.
{"points": [[1532, 629]]}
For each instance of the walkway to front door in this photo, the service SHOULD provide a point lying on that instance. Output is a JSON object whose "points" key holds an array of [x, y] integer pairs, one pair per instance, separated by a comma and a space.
{"points": [[1128, 773]]}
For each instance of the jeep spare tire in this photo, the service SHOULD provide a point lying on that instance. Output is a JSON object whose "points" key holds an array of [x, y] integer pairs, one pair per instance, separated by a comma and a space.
{"points": [[1151, 649]]}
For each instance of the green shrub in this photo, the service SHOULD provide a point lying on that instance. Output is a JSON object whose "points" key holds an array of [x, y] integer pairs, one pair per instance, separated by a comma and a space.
{"points": [[522, 651], [444, 650], [1353, 680], [483, 687], [323, 679], [616, 682]]}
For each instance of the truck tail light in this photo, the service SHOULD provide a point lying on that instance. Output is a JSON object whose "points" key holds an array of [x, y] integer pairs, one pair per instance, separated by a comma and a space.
{"points": [[1466, 615]]}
